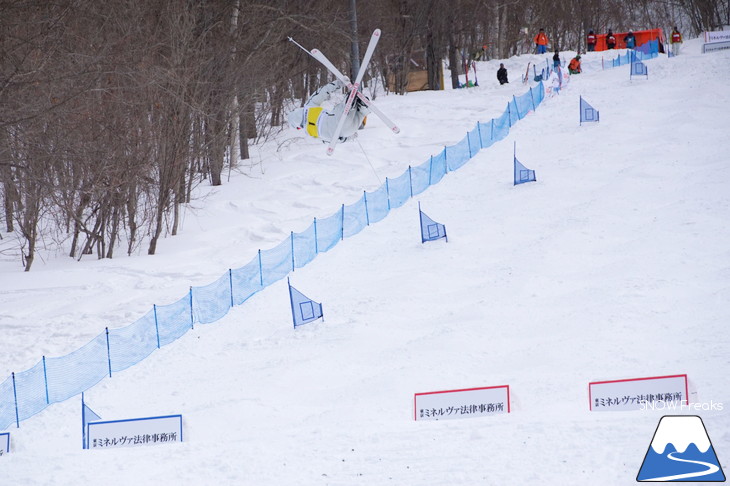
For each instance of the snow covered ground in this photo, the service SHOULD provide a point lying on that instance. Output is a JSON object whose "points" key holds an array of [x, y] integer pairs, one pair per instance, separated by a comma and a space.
{"points": [[614, 264]]}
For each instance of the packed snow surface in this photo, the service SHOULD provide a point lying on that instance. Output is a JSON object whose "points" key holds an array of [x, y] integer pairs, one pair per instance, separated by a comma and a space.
{"points": [[615, 264]]}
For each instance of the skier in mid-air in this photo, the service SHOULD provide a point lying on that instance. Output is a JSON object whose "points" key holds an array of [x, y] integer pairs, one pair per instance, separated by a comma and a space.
{"points": [[320, 123]]}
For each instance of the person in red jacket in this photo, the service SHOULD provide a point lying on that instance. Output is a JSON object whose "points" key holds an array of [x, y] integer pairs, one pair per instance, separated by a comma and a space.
{"points": [[610, 40], [676, 40], [541, 42], [591, 41]]}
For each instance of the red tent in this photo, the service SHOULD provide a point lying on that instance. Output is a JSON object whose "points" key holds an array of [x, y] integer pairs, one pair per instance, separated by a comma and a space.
{"points": [[642, 37]]}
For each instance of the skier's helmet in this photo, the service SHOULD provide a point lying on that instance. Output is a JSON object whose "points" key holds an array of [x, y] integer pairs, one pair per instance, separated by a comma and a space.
{"points": [[296, 118]]}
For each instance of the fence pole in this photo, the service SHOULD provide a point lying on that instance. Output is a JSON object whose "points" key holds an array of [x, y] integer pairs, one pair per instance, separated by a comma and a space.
{"points": [[468, 143], [479, 132], [491, 136], [83, 422], [15, 395], [316, 243], [108, 352], [192, 318], [342, 222], [230, 282], [387, 192], [367, 216], [509, 115], [45, 379], [261, 270], [410, 180], [157, 327], [430, 170], [532, 98], [292, 251]]}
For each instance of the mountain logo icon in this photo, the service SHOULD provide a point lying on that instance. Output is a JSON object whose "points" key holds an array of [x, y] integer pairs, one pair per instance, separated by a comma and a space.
{"points": [[681, 451]]}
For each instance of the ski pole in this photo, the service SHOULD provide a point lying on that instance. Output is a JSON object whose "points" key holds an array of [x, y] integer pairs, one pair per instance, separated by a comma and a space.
{"points": [[299, 46]]}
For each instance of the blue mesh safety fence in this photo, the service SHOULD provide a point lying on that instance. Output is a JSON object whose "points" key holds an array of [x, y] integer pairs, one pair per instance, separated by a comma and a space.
{"points": [[7, 403], [458, 154], [501, 125], [30, 387], [305, 246], [277, 262], [173, 320], [57, 379], [329, 232], [649, 50], [399, 189], [78, 371], [355, 218], [246, 280], [212, 301], [130, 345], [378, 206], [513, 115], [420, 176]]}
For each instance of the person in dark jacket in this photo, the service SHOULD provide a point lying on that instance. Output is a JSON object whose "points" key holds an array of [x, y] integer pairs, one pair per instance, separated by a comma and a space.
{"points": [[502, 74], [556, 59], [630, 40]]}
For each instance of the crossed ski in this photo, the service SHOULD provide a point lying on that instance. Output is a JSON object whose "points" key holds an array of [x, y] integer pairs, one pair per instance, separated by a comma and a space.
{"points": [[354, 88]]}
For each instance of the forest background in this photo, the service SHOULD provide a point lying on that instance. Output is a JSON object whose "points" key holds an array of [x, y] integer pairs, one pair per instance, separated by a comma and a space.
{"points": [[112, 112]]}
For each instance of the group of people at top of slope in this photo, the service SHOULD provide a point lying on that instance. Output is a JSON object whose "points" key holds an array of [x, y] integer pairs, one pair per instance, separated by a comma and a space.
{"points": [[541, 43], [320, 123]]}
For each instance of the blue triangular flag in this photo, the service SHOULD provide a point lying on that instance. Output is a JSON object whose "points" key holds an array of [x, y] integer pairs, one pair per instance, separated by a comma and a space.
{"points": [[523, 174], [430, 229], [303, 308], [638, 68], [587, 112], [89, 415]]}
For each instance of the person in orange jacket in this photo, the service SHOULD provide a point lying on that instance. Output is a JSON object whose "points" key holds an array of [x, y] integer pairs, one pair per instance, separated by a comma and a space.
{"points": [[574, 66], [541, 42]]}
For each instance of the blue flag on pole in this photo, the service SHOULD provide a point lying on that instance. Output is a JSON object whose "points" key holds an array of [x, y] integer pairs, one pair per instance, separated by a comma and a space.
{"points": [[430, 229], [522, 173], [303, 308], [638, 68], [587, 112]]}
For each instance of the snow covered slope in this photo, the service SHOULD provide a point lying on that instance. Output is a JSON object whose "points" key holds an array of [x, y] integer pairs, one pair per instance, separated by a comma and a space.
{"points": [[614, 264]]}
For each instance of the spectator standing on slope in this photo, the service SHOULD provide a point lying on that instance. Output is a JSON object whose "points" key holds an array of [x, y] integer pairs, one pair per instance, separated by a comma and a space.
{"points": [[591, 41], [502, 74], [556, 59], [630, 40], [610, 40], [676, 40], [541, 42]]}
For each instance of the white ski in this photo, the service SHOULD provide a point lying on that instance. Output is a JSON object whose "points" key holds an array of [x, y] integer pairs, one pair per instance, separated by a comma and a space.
{"points": [[317, 54], [354, 89]]}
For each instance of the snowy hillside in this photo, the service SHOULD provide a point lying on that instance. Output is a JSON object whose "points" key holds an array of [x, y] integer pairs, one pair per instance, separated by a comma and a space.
{"points": [[614, 264]]}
